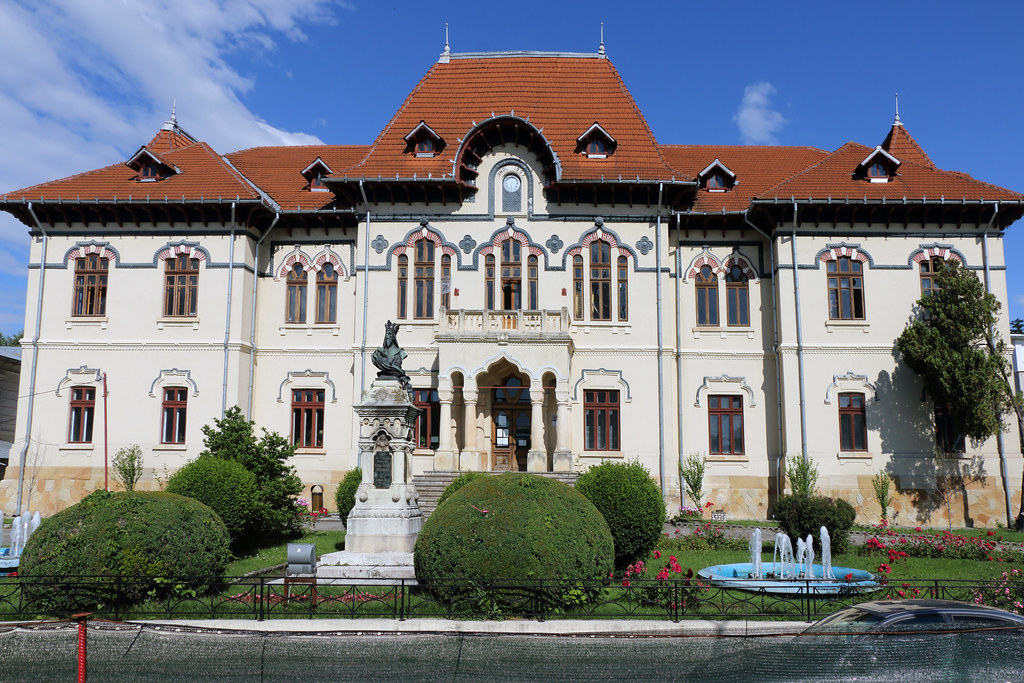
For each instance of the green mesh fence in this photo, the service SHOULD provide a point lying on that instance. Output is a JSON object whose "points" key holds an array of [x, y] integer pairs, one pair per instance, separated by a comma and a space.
{"points": [[131, 652]]}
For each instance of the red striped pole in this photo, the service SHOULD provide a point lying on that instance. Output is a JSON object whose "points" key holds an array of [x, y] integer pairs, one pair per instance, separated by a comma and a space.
{"points": [[83, 620]]}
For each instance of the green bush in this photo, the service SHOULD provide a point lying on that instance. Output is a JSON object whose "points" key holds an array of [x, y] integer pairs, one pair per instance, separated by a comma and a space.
{"points": [[228, 489], [458, 483], [513, 526], [802, 515], [345, 495], [141, 538], [631, 503]]}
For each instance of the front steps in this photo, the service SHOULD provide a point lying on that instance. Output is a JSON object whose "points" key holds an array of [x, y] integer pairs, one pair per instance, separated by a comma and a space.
{"points": [[430, 485]]}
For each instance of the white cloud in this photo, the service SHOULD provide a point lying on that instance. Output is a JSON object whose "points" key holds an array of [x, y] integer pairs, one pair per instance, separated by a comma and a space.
{"points": [[757, 121], [82, 84]]}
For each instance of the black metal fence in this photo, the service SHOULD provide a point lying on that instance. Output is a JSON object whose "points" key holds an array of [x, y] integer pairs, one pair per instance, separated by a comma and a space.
{"points": [[261, 598]]}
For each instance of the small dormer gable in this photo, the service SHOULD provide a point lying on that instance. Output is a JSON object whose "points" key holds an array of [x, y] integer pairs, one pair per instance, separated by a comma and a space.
{"points": [[716, 177], [315, 174], [149, 166], [596, 143], [423, 141], [877, 167]]}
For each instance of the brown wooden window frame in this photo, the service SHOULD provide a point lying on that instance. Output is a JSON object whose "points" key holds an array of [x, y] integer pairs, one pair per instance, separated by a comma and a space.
{"points": [[533, 283], [927, 271], [173, 414], [446, 281], [853, 433], [622, 284], [327, 294], [706, 289], [847, 283], [600, 280], [577, 287], [724, 412], [511, 275], [947, 438], [295, 299], [489, 282], [427, 428], [424, 280], [602, 426], [81, 414], [403, 285], [737, 297], [90, 296], [181, 286], [308, 418]]}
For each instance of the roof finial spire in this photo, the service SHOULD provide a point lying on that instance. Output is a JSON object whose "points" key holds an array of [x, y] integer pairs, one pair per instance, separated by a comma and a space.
{"points": [[600, 48], [172, 123], [896, 121], [446, 54]]}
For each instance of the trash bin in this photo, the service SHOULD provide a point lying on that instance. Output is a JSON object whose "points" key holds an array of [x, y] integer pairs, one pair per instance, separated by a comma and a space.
{"points": [[301, 559]]}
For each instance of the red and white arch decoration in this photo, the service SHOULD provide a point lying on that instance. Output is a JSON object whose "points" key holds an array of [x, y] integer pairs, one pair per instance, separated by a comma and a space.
{"points": [[839, 252], [706, 258], [328, 256], [182, 249], [513, 234], [742, 262], [297, 256], [88, 249], [944, 253]]}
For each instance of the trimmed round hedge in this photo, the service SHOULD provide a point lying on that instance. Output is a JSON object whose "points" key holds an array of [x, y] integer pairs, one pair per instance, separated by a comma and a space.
{"points": [[141, 537], [458, 483], [345, 495], [632, 505], [512, 526], [802, 515], [228, 489]]}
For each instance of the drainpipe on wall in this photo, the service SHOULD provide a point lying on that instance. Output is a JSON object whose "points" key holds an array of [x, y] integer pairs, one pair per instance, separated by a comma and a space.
{"points": [[999, 434], [679, 366], [775, 347], [35, 362], [366, 290], [661, 379], [799, 342], [252, 314], [227, 316]]}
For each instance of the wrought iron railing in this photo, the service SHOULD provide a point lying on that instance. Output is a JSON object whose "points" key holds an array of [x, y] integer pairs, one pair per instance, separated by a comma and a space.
{"points": [[263, 598]]}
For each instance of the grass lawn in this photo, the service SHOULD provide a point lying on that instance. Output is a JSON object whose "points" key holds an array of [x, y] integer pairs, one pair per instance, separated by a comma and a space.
{"points": [[271, 556]]}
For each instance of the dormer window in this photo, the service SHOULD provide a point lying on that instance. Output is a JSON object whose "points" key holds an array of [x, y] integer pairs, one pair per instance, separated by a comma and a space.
{"points": [[149, 167], [423, 141], [595, 143], [716, 177], [315, 174], [878, 167]]}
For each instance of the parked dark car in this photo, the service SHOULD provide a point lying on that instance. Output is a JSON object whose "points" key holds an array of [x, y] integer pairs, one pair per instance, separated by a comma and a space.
{"points": [[917, 615]]}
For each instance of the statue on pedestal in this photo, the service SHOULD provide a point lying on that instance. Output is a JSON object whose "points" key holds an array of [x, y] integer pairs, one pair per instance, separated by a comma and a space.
{"points": [[388, 358]]}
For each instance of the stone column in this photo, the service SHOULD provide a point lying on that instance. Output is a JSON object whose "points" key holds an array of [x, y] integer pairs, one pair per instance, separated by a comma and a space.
{"points": [[562, 458], [469, 458], [537, 457], [444, 456]]}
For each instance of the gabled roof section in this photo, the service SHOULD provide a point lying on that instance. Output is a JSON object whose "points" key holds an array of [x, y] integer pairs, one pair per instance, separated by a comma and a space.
{"points": [[202, 175], [317, 163], [278, 171], [716, 164], [596, 128], [831, 177], [899, 144], [559, 95], [759, 167], [144, 157], [887, 159], [421, 129]]}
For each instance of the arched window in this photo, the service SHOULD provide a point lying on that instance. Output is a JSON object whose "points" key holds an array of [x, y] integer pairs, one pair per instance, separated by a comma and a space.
{"points": [[623, 283], [737, 297], [327, 294], [181, 290], [295, 307], [845, 289], [424, 279], [403, 285], [577, 287], [489, 282], [90, 298], [928, 270], [716, 181], [511, 275], [878, 170], [600, 281], [425, 147], [446, 281], [533, 294], [707, 297], [596, 148]]}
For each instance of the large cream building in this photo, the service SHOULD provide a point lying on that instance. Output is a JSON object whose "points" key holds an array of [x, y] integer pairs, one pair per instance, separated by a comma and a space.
{"points": [[569, 289]]}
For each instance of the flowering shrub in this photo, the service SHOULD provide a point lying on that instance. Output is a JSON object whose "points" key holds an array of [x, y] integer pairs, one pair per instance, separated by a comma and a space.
{"points": [[689, 512], [670, 588], [706, 536], [1007, 592], [942, 544]]}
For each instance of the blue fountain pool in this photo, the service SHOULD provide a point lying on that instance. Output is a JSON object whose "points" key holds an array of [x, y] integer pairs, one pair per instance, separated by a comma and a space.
{"points": [[738, 576]]}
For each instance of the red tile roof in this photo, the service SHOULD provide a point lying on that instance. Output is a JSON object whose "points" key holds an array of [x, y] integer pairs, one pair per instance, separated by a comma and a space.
{"points": [[905, 148], [168, 139], [203, 174], [756, 169], [833, 176], [561, 95], [278, 171]]}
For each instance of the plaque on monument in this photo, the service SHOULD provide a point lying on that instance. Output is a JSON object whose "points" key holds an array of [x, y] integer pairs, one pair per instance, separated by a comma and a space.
{"points": [[382, 469]]}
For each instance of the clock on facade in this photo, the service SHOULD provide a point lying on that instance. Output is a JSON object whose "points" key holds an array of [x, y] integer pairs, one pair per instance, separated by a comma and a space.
{"points": [[511, 183]]}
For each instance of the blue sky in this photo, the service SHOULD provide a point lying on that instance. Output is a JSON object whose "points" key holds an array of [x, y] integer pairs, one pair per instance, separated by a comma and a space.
{"points": [[84, 84]]}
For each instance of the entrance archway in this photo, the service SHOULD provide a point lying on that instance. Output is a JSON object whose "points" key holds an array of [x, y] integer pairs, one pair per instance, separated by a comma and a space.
{"points": [[510, 433]]}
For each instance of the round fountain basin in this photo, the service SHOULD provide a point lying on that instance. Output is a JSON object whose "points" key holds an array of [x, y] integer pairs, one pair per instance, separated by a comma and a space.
{"points": [[738, 575]]}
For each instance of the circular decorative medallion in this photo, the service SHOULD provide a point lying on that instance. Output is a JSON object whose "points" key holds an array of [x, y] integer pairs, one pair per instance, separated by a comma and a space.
{"points": [[511, 183]]}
